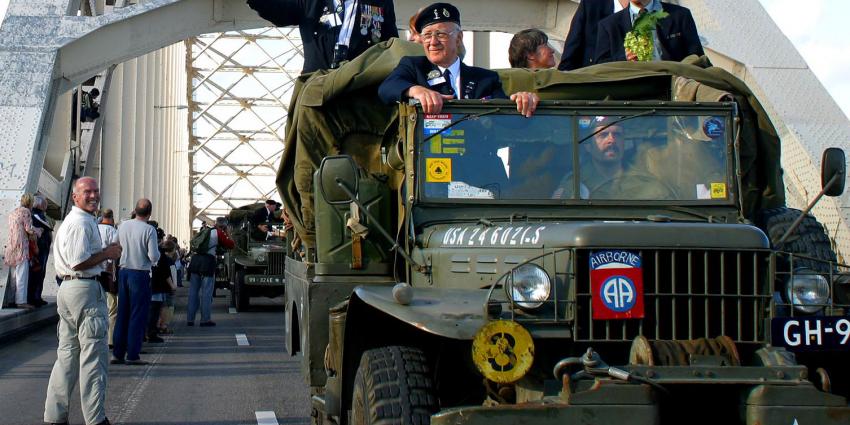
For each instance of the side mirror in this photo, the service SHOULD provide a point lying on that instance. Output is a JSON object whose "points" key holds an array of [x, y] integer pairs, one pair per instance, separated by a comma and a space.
{"points": [[833, 166], [335, 171]]}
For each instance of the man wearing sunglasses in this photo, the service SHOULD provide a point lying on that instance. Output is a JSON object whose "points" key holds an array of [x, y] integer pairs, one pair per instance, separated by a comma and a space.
{"points": [[440, 75]]}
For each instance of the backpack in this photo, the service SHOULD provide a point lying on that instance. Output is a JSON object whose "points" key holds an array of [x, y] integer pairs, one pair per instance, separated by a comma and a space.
{"points": [[200, 243]]}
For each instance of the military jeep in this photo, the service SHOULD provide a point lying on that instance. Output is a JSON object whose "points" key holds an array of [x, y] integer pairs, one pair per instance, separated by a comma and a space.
{"points": [[254, 268], [476, 267]]}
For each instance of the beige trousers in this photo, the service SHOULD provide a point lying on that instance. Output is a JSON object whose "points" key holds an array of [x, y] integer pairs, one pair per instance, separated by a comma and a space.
{"points": [[82, 352], [112, 307]]}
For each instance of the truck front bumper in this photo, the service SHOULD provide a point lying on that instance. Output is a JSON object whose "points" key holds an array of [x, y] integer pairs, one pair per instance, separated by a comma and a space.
{"points": [[613, 404]]}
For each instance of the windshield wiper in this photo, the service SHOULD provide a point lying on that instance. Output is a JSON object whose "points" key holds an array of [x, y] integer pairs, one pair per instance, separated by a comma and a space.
{"points": [[466, 118], [615, 122], [690, 211]]}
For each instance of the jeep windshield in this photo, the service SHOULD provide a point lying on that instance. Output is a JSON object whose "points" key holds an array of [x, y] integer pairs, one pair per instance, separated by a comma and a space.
{"points": [[569, 155]]}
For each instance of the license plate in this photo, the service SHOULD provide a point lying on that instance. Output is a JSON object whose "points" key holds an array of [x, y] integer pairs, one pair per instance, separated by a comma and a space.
{"points": [[811, 333], [264, 280]]}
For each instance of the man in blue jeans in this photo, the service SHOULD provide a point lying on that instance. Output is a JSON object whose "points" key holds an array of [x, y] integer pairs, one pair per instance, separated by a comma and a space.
{"points": [[202, 273], [140, 252]]}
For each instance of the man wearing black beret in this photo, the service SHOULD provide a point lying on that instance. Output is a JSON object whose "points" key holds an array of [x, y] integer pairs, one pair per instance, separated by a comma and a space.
{"points": [[332, 30], [440, 75]]}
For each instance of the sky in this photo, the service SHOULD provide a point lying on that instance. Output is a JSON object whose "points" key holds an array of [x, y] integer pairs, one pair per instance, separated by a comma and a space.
{"points": [[818, 29]]}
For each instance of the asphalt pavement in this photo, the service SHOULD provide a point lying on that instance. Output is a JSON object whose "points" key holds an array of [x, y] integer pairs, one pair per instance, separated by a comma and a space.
{"points": [[235, 373]]}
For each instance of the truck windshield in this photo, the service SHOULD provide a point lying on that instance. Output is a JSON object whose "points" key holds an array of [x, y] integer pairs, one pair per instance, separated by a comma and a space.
{"points": [[553, 157]]}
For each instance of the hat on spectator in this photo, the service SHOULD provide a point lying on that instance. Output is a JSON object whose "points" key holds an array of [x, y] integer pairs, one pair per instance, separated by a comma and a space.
{"points": [[436, 13]]}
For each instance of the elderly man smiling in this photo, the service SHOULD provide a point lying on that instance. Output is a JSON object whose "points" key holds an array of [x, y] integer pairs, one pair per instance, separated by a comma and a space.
{"points": [[440, 75]]}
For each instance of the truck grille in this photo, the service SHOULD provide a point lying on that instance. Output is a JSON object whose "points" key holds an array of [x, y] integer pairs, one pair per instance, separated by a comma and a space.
{"points": [[688, 294], [277, 259]]}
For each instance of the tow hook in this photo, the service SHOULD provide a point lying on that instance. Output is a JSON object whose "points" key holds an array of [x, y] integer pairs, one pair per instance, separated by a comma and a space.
{"points": [[593, 366]]}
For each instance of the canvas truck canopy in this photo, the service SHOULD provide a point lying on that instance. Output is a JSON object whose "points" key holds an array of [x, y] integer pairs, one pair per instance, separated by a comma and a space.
{"points": [[339, 112]]}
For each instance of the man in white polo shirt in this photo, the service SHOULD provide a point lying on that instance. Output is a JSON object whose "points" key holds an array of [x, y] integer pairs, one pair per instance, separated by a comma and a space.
{"points": [[82, 353]]}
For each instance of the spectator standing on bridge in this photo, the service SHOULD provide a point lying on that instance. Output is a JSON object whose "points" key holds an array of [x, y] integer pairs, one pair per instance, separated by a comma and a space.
{"points": [[78, 256], [17, 254], [332, 31], [530, 49], [161, 284], [43, 242], [674, 39], [580, 45], [141, 252], [202, 272], [108, 236]]}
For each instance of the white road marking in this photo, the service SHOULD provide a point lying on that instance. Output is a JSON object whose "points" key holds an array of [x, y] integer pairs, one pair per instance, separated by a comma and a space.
{"points": [[241, 339], [231, 310], [266, 418]]}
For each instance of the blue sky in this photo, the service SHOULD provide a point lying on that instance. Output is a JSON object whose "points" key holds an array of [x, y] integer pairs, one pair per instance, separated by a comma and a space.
{"points": [[819, 30]]}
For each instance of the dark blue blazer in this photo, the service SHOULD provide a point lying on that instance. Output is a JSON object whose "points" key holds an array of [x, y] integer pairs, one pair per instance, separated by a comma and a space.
{"points": [[677, 35], [477, 83], [319, 40], [580, 44]]}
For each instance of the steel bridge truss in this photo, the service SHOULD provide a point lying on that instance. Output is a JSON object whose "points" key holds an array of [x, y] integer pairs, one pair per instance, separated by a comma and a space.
{"points": [[241, 83]]}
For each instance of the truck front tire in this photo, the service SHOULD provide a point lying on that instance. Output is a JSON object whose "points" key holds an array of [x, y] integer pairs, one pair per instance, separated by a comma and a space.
{"points": [[393, 386], [809, 239]]}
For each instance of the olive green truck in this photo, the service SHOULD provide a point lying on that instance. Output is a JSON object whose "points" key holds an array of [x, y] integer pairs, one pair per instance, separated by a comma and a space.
{"points": [[623, 256]]}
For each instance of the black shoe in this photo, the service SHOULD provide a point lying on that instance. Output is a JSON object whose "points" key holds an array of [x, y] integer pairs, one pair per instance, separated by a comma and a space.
{"points": [[137, 362], [155, 339], [105, 422], [58, 423], [207, 324], [190, 323], [41, 302], [116, 360]]}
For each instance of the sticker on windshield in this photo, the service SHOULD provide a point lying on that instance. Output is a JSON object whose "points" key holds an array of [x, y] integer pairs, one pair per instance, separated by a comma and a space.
{"points": [[450, 142], [718, 191], [438, 170], [435, 122], [616, 279], [703, 192], [713, 127], [461, 190]]}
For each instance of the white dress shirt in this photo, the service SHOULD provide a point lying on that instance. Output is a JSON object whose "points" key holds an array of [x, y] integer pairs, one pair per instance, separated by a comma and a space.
{"points": [[77, 240], [455, 70]]}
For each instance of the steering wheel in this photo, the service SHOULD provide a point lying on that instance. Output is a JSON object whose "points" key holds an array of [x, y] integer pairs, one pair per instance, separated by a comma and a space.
{"points": [[635, 184]]}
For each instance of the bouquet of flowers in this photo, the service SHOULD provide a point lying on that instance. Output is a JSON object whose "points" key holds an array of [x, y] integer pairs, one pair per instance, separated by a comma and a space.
{"points": [[639, 39]]}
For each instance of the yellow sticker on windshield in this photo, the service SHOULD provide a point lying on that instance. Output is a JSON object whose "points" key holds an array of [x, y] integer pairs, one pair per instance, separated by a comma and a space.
{"points": [[718, 191], [438, 170], [452, 143]]}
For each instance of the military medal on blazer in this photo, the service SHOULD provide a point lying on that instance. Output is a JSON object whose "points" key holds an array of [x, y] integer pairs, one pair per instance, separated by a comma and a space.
{"points": [[321, 23]]}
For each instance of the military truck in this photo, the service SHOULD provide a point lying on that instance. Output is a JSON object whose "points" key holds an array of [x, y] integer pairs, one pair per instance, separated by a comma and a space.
{"points": [[254, 268], [471, 268]]}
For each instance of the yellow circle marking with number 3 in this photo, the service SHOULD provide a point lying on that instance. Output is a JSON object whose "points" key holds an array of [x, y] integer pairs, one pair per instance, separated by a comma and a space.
{"points": [[503, 351]]}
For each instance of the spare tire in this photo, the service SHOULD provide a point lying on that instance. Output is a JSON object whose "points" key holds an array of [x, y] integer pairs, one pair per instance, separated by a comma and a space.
{"points": [[809, 239]]}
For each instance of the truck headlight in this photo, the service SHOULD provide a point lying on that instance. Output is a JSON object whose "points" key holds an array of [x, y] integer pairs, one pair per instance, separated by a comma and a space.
{"points": [[529, 286], [807, 291], [261, 258]]}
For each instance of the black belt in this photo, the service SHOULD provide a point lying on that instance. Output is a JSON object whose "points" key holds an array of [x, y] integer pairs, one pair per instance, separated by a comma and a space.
{"points": [[69, 277]]}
